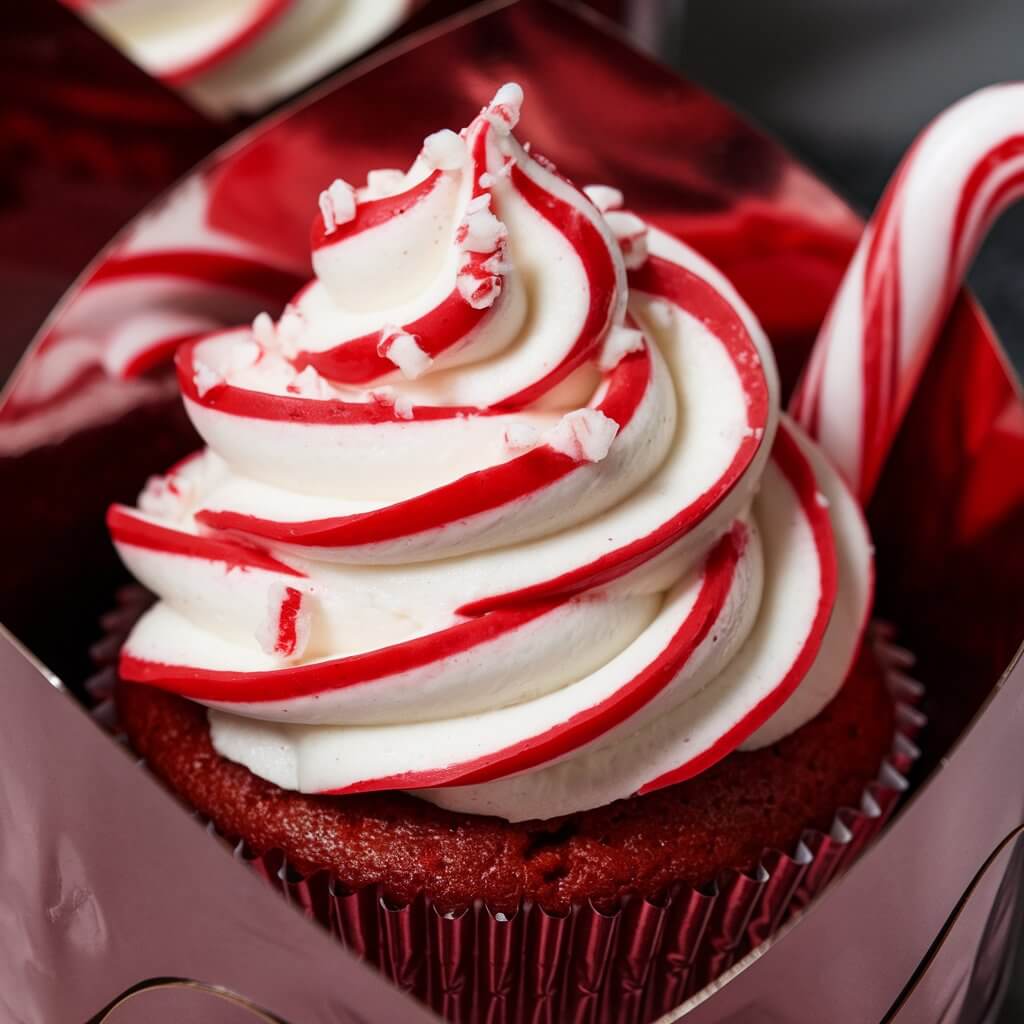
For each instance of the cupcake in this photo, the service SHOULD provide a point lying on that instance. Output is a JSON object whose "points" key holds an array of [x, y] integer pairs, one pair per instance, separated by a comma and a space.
{"points": [[503, 588]]}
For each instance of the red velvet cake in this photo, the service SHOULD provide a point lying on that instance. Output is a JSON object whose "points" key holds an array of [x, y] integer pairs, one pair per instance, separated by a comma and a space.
{"points": [[723, 819]]}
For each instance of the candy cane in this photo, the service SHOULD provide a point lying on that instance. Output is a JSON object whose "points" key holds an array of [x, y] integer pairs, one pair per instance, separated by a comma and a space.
{"points": [[959, 175]]}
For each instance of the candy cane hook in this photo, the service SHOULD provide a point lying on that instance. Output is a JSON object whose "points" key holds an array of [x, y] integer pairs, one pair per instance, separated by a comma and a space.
{"points": [[959, 175]]}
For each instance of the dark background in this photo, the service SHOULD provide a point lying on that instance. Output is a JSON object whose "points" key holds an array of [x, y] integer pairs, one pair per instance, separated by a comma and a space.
{"points": [[847, 84]]}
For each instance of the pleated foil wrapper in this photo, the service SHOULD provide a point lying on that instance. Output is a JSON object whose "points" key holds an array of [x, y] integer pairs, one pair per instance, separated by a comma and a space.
{"points": [[590, 965]]}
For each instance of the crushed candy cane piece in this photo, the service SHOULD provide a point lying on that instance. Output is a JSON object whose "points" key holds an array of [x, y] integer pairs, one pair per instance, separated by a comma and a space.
{"points": [[263, 330], [604, 197], [165, 497], [480, 230], [290, 329], [309, 384], [288, 622], [585, 435], [384, 181], [489, 180], [445, 150], [631, 233], [337, 204], [497, 264], [404, 351], [477, 287], [206, 378], [619, 343], [503, 111]]}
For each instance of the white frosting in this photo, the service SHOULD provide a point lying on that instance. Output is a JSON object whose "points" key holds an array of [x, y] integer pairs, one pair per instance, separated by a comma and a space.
{"points": [[518, 606]]}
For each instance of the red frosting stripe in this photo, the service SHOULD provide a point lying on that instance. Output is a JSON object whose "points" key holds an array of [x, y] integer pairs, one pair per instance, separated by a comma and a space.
{"points": [[372, 213], [588, 725], [126, 527], [471, 495], [236, 401], [333, 674], [694, 295], [358, 362], [592, 248], [799, 473]]}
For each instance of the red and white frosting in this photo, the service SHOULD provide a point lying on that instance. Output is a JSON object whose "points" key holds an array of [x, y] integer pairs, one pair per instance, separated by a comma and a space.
{"points": [[242, 54], [501, 510]]}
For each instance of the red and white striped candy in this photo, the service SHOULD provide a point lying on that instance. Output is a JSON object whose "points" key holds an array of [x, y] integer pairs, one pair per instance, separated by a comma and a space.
{"points": [[960, 174]]}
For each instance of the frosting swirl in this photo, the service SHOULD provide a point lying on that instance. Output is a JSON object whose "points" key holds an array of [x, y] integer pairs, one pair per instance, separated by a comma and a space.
{"points": [[241, 55], [500, 510]]}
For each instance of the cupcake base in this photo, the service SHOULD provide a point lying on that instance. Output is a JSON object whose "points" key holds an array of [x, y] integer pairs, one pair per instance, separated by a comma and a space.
{"points": [[613, 914], [723, 819]]}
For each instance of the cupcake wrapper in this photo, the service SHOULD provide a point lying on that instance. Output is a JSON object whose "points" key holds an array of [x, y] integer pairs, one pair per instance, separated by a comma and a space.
{"points": [[590, 966]]}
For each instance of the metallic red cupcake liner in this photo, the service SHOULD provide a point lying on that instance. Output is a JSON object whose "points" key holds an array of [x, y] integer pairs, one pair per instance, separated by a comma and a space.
{"points": [[588, 965]]}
